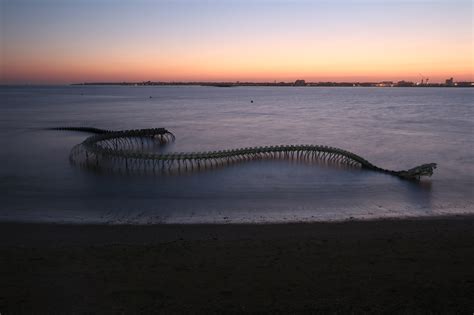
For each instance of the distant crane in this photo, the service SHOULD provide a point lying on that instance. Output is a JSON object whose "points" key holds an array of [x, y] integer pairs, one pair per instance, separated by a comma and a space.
{"points": [[424, 80]]}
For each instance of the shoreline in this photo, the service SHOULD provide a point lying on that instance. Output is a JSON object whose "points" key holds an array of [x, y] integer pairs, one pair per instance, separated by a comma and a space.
{"points": [[231, 222], [392, 266], [14, 233]]}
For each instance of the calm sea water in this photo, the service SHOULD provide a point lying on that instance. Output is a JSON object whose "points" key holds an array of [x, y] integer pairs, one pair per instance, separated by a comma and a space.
{"points": [[394, 128]]}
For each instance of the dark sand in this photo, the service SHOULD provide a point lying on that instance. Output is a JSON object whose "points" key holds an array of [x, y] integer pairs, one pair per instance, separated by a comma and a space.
{"points": [[391, 266]]}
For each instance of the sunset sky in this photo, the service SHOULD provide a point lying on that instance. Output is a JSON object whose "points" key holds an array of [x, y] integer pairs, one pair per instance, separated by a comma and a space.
{"points": [[66, 41]]}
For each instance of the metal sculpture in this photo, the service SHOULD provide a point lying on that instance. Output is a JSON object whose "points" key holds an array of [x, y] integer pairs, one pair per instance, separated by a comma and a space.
{"points": [[135, 150]]}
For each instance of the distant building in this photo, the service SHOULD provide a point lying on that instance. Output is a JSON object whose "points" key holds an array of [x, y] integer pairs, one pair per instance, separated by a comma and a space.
{"points": [[300, 83], [463, 84], [450, 82], [405, 83], [385, 84]]}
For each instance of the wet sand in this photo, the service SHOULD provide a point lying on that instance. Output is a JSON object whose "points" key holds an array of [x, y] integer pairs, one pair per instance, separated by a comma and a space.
{"points": [[389, 266]]}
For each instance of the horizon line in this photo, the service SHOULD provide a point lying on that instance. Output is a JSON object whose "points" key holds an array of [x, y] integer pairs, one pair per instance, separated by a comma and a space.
{"points": [[235, 83]]}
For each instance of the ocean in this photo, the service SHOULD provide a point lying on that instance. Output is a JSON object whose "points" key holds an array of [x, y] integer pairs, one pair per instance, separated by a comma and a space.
{"points": [[394, 128]]}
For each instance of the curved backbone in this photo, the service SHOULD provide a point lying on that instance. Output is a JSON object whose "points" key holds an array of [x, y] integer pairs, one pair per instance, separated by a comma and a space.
{"points": [[136, 150]]}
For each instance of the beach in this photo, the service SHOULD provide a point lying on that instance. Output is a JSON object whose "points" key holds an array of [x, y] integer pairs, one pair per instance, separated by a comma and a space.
{"points": [[379, 266]]}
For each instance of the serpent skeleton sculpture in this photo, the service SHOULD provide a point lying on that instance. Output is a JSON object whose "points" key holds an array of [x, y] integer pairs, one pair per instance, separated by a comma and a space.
{"points": [[132, 150]]}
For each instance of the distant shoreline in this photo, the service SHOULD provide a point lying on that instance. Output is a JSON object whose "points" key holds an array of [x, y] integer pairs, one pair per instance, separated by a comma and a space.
{"points": [[285, 84], [224, 85]]}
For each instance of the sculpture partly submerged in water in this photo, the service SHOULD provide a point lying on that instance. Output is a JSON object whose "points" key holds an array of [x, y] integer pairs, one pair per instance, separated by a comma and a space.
{"points": [[134, 150]]}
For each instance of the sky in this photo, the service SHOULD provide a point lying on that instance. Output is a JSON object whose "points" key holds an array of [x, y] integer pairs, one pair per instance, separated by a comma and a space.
{"points": [[67, 41]]}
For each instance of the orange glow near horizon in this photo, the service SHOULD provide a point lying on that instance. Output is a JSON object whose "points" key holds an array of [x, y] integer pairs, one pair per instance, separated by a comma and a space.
{"points": [[228, 67], [359, 50]]}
